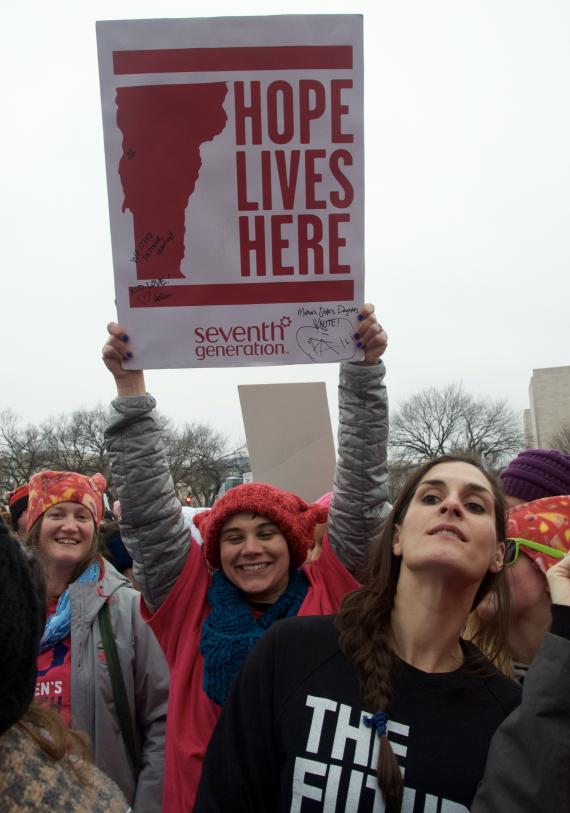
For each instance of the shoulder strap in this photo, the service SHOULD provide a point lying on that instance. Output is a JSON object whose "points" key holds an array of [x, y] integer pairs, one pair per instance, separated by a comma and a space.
{"points": [[117, 683]]}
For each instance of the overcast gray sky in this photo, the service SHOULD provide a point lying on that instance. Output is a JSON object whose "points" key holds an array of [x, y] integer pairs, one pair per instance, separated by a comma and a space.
{"points": [[467, 198]]}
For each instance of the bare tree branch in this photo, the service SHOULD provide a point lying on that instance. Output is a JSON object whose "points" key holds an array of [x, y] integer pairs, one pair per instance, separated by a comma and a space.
{"points": [[561, 439], [435, 422], [199, 457]]}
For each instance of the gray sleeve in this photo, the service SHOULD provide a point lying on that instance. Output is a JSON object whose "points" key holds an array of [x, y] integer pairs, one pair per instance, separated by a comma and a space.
{"points": [[359, 503], [151, 524], [528, 761]]}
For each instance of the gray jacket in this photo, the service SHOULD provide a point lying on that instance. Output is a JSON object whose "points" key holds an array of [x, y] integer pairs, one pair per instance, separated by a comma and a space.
{"points": [[145, 674], [529, 758], [152, 526], [359, 504]]}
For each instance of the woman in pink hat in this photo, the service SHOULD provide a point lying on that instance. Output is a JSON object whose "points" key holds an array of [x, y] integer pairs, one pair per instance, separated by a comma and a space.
{"points": [[99, 666], [44, 766], [208, 606]]}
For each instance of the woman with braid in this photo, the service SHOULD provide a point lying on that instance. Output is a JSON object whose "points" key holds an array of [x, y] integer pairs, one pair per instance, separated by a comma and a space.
{"points": [[384, 706]]}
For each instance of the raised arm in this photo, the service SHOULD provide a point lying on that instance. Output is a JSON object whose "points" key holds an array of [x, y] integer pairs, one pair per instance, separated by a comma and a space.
{"points": [[528, 761], [152, 527], [360, 493]]}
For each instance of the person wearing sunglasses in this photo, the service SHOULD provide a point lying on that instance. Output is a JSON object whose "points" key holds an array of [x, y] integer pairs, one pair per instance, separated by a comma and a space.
{"points": [[513, 547], [527, 764], [538, 537]]}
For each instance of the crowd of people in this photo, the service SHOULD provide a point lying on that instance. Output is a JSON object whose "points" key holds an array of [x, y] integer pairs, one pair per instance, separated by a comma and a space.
{"points": [[281, 655]]}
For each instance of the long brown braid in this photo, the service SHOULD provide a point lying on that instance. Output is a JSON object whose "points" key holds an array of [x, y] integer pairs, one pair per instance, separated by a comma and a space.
{"points": [[364, 620]]}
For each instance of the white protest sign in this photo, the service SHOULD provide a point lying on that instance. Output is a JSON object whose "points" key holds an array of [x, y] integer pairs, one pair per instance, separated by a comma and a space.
{"points": [[289, 436], [235, 174]]}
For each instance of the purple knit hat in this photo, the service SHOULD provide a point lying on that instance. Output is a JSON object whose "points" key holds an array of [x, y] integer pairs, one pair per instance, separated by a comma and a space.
{"points": [[537, 473]]}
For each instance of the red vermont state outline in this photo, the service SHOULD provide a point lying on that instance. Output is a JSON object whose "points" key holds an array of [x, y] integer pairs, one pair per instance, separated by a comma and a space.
{"points": [[163, 128]]}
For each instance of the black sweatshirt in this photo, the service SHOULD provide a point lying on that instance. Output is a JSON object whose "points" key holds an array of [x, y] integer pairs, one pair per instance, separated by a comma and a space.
{"points": [[292, 738]]}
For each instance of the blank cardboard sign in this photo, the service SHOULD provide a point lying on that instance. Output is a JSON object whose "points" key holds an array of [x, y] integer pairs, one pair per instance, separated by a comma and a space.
{"points": [[289, 436]]}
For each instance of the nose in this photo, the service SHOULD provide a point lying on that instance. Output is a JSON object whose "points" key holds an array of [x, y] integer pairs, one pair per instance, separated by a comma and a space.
{"points": [[451, 505], [251, 546], [69, 522]]}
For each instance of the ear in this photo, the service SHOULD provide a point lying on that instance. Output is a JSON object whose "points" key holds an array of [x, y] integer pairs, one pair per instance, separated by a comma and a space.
{"points": [[498, 558], [396, 544]]}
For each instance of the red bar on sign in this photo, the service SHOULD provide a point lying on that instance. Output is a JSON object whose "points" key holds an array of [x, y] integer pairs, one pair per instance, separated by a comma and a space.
{"points": [[249, 293], [278, 58]]}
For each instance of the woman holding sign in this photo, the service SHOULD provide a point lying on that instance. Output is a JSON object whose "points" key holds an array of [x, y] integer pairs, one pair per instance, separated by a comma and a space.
{"points": [[209, 606]]}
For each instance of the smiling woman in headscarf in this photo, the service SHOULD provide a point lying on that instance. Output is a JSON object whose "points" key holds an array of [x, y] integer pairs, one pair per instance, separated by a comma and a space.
{"points": [[44, 767]]}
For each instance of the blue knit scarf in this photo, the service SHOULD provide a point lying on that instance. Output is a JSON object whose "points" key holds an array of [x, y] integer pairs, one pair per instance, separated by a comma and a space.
{"points": [[58, 625], [231, 630]]}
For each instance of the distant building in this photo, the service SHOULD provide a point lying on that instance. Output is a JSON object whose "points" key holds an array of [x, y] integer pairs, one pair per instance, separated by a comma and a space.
{"points": [[549, 396]]}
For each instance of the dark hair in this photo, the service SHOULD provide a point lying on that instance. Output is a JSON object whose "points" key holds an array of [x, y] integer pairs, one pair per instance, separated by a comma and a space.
{"points": [[364, 619], [38, 580], [16, 510]]}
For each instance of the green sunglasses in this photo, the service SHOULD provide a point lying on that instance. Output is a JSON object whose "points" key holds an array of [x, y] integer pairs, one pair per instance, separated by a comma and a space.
{"points": [[513, 545]]}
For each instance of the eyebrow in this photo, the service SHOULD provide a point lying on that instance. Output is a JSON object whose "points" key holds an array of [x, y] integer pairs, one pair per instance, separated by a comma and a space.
{"points": [[257, 527], [468, 487]]}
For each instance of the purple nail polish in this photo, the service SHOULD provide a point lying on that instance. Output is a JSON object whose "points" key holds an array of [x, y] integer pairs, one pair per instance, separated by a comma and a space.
{"points": [[360, 317], [359, 344], [125, 338], [356, 335], [129, 355]]}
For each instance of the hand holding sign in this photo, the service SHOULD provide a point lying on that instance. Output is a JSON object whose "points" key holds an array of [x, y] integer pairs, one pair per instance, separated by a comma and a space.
{"points": [[116, 350], [371, 336]]}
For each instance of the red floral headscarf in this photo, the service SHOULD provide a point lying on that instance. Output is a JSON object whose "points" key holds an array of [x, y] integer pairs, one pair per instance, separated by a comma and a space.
{"points": [[546, 521], [48, 488]]}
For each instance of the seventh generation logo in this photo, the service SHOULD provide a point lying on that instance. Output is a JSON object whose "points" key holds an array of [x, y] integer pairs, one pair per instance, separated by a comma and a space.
{"points": [[263, 339]]}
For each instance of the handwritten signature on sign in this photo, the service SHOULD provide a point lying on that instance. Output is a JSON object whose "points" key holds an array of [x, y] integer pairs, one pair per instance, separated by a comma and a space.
{"points": [[153, 291], [327, 339]]}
